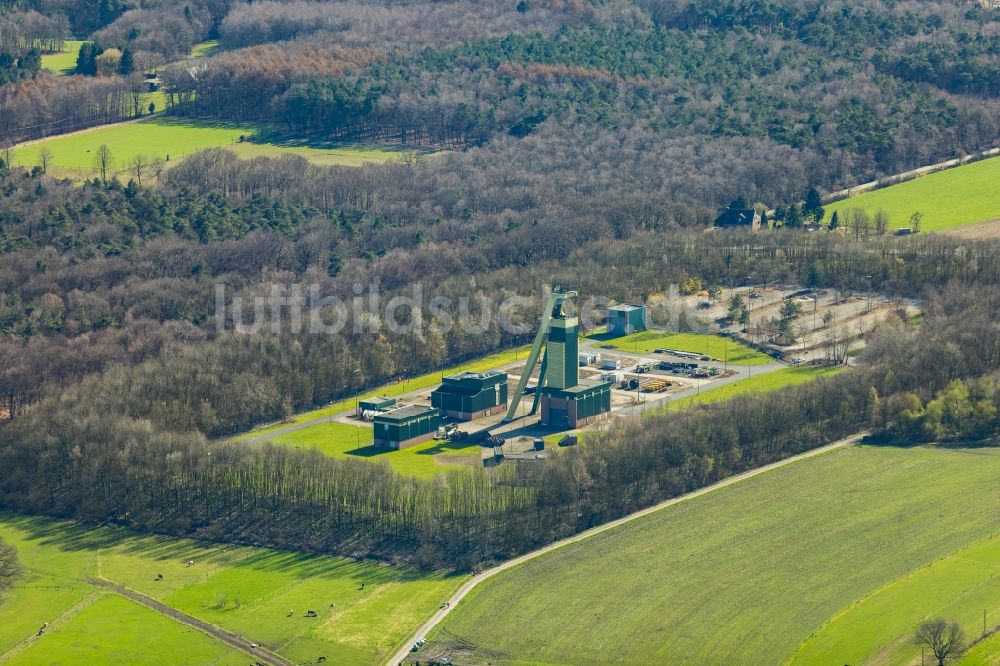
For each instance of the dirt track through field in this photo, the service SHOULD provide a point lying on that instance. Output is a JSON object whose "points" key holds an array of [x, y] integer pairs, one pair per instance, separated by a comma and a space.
{"points": [[233, 640], [464, 590]]}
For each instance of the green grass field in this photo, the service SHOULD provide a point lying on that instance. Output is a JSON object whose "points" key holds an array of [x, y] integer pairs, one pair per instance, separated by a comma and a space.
{"points": [[63, 62], [716, 346], [397, 389], [742, 575], [114, 630], [947, 199], [206, 48], [73, 154], [986, 653], [246, 590], [339, 440], [765, 383], [880, 629]]}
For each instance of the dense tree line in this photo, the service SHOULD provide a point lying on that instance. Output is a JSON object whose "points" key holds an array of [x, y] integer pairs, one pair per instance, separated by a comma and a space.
{"points": [[21, 32], [103, 274], [111, 295], [680, 78], [597, 143], [236, 85], [407, 26], [15, 68], [47, 104], [167, 29], [81, 17], [10, 567], [71, 456], [965, 410]]}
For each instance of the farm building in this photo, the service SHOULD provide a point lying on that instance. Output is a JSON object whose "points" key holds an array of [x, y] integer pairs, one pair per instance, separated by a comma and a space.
{"points": [[625, 319], [376, 403], [405, 426], [471, 395], [739, 217]]}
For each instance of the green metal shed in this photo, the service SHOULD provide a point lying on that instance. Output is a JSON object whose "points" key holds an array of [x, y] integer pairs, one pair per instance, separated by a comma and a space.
{"points": [[405, 426], [376, 403]]}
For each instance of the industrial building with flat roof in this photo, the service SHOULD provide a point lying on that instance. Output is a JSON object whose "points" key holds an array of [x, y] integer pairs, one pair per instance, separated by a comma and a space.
{"points": [[625, 319], [405, 426], [575, 406], [471, 395]]}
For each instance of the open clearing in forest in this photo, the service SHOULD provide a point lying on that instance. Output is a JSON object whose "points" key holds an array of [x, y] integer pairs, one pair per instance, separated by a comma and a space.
{"points": [[790, 549], [756, 384], [947, 199], [162, 138], [425, 460], [249, 591], [334, 437], [63, 62], [716, 346]]}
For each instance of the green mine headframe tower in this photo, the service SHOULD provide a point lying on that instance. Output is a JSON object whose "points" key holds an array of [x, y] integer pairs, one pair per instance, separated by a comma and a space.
{"points": [[560, 363]]}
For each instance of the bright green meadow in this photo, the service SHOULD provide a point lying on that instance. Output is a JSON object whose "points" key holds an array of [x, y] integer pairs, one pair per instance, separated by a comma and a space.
{"points": [[744, 574], [261, 594], [716, 346], [73, 155], [947, 199], [756, 384]]}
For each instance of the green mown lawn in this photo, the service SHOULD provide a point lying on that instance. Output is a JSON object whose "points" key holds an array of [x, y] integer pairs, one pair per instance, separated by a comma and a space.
{"points": [[718, 347], [338, 439], [425, 460], [950, 198], [741, 575], [765, 383], [246, 590]]}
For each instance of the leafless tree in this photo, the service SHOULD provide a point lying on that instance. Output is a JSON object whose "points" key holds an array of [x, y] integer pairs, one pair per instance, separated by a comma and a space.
{"points": [[881, 222], [138, 165], [44, 158], [104, 161], [945, 639]]}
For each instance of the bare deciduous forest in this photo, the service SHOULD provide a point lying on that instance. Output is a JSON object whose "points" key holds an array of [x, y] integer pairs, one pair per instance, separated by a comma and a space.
{"points": [[589, 145]]}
